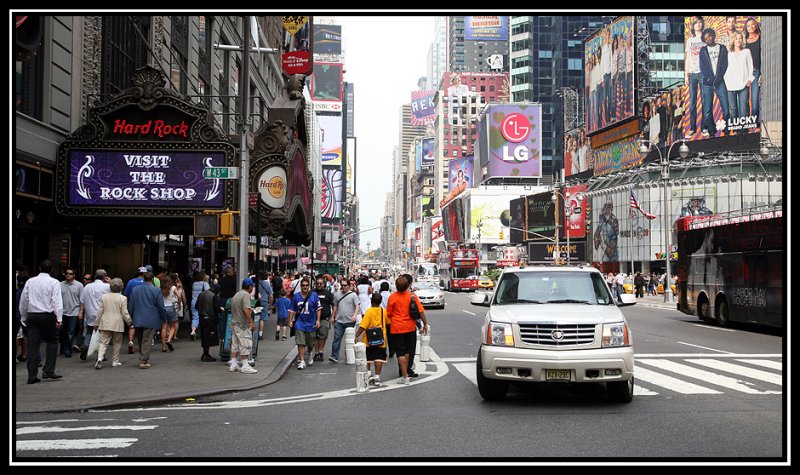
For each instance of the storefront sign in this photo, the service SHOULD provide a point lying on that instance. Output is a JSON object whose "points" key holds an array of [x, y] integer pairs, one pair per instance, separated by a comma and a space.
{"points": [[272, 186], [160, 179]]}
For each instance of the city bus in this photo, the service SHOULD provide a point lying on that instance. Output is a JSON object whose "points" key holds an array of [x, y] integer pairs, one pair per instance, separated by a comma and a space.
{"points": [[731, 267], [427, 272], [459, 268]]}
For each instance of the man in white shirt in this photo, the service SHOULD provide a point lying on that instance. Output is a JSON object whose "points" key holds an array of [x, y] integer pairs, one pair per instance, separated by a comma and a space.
{"points": [[41, 308], [90, 305]]}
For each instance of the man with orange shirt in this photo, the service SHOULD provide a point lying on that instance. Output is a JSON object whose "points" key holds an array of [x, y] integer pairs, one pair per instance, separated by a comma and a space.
{"points": [[403, 336]]}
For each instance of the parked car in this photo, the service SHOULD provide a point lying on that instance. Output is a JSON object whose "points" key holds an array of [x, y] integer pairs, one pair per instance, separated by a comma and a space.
{"points": [[554, 324], [429, 294], [485, 282]]}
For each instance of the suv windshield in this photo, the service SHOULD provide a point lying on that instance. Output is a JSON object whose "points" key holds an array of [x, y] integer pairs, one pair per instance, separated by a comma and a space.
{"points": [[553, 287]]}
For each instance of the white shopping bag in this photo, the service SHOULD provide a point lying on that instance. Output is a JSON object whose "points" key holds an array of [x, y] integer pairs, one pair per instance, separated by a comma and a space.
{"points": [[94, 343]]}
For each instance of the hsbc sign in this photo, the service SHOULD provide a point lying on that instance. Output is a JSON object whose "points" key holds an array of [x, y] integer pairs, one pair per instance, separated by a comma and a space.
{"points": [[515, 129]]}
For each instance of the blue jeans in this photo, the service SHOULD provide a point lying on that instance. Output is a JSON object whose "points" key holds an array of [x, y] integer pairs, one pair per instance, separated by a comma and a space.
{"points": [[67, 333], [739, 103], [695, 80], [755, 91], [707, 93], [338, 333]]}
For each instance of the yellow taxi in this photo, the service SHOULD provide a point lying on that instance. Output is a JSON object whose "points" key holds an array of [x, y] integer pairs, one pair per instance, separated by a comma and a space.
{"points": [[485, 283], [660, 289]]}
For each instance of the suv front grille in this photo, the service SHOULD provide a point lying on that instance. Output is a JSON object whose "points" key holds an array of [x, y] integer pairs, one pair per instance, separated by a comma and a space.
{"points": [[542, 334]]}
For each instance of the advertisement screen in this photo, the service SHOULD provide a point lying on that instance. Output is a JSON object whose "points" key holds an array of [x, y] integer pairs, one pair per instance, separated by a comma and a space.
{"points": [[514, 138], [575, 211], [616, 156], [517, 220], [165, 179], [437, 234], [418, 154], [423, 111], [331, 139], [426, 203], [297, 45], [460, 174], [331, 186], [577, 153], [541, 216], [493, 214], [732, 87], [453, 216], [328, 39], [486, 28], [609, 59], [326, 83], [427, 152]]}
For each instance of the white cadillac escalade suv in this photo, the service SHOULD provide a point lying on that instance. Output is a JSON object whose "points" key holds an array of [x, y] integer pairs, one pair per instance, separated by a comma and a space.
{"points": [[554, 324]]}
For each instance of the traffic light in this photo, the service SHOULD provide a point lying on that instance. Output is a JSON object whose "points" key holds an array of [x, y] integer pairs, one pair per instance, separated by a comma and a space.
{"points": [[226, 224], [206, 225]]}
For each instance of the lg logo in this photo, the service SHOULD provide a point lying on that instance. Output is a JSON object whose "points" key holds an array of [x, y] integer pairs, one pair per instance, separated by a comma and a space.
{"points": [[515, 127]]}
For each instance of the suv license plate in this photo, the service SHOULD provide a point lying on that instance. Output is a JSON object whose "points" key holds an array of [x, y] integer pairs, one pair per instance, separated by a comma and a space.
{"points": [[558, 374]]}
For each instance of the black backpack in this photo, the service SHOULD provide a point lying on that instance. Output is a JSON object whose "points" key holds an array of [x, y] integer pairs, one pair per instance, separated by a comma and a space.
{"points": [[413, 310]]}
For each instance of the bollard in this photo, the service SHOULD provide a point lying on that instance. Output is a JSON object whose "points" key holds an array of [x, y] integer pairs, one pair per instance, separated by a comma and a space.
{"points": [[349, 353], [362, 375], [425, 350]]}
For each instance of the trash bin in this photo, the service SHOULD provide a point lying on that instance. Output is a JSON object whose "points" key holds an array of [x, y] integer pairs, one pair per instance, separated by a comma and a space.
{"points": [[225, 344]]}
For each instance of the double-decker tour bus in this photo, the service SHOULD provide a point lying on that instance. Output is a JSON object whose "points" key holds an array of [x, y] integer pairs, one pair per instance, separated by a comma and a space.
{"points": [[731, 266], [427, 272], [459, 268]]}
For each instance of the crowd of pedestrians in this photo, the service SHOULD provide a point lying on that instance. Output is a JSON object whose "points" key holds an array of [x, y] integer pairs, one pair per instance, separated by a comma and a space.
{"points": [[148, 308]]}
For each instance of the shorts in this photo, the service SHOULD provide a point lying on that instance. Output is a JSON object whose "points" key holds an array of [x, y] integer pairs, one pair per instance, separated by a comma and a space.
{"points": [[324, 329], [403, 343], [172, 315], [376, 353], [264, 313], [284, 322], [307, 339], [241, 340]]}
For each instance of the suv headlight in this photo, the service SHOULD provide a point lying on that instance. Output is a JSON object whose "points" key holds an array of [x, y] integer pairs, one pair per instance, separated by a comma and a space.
{"points": [[615, 334], [499, 334]]}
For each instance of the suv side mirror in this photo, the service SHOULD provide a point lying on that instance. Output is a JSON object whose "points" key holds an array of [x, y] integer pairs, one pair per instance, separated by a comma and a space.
{"points": [[481, 300], [627, 299]]}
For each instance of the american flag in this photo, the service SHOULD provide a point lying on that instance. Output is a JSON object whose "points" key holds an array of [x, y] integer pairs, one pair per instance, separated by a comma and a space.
{"points": [[635, 205]]}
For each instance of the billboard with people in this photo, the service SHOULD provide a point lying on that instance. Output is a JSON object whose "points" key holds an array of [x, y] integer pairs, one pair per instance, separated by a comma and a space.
{"points": [[609, 84], [577, 153], [721, 94]]}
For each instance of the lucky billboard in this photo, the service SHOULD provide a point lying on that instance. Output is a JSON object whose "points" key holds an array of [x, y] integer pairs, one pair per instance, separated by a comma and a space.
{"points": [[722, 91], [513, 138], [609, 84]]}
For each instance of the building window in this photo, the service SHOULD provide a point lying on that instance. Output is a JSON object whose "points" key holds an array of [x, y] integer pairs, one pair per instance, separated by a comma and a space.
{"points": [[204, 59], [125, 49], [28, 80], [179, 52]]}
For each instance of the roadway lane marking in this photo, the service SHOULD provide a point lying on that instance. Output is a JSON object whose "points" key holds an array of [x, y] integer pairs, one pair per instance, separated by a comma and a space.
{"points": [[703, 347], [46, 429], [702, 355], [739, 369], [468, 370], [459, 360], [765, 363], [706, 376], [64, 420], [74, 444], [441, 369], [669, 382], [467, 311], [713, 328]]}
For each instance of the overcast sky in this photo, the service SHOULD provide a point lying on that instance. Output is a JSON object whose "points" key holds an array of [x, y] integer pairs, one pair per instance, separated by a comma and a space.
{"points": [[384, 58]]}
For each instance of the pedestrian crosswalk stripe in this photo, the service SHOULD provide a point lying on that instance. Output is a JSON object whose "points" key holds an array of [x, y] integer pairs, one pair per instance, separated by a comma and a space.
{"points": [[640, 391], [74, 444], [668, 382], [706, 376], [741, 370], [44, 429], [765, 363]]}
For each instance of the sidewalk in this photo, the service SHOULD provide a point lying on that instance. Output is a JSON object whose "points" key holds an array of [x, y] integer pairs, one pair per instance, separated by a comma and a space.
{"points": [[173, 376], [657, 301]]}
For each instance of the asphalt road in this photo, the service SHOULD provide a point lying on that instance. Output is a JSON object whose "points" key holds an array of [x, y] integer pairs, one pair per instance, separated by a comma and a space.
{"points": [[690, 404]]}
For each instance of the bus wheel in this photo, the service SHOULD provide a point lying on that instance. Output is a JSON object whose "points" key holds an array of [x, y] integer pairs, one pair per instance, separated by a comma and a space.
{"points": [[703, 309], [722, 313]]}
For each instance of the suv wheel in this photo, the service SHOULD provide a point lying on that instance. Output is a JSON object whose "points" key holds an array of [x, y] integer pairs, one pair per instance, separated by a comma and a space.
{"points": [[620, 391], [490, 389]]}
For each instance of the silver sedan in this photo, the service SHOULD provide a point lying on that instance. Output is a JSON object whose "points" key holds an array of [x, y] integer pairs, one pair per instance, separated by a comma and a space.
{"points": [[429, 294]]}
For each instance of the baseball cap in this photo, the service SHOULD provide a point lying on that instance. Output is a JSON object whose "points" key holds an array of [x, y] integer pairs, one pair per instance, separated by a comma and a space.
{"points": [[247, 282], [142, 270], [149, 268]]}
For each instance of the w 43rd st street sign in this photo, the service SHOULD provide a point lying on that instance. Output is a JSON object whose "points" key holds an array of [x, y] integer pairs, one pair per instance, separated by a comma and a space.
{"points": [[223, 173]]}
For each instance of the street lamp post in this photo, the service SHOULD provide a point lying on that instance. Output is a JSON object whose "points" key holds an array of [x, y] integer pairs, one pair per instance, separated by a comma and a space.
{"points": [[479, 226], [567, 212], [683, 150]]}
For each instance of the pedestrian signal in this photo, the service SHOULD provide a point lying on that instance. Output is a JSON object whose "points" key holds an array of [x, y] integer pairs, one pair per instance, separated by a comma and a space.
{"points": [[226, 224], [206, 225]]}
